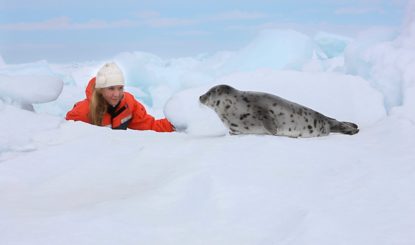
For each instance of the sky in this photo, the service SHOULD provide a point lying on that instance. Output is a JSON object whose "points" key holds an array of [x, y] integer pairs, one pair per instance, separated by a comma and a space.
{"points": [[69, 31]]}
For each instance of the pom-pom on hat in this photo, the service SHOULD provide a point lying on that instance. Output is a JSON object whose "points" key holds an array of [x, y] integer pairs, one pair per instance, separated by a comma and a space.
{"points": [[109, 75]]}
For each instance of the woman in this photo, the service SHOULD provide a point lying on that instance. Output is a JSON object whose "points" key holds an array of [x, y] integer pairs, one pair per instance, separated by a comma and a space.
{"points": [[107, 104]]}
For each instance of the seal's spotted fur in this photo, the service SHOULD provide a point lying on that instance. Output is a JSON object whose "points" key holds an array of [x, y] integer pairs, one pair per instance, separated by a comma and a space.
{"points": [[245, 112]]}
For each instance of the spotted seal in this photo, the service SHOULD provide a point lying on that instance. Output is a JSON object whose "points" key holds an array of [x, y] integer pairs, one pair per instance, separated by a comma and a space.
{"points": [[247, 112]]}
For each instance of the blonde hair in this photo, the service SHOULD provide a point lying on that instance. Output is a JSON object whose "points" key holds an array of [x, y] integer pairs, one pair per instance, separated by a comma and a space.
{"points": [[97, 107]]}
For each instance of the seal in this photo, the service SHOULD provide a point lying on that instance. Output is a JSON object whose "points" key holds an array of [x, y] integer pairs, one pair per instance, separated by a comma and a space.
{"points": [[248, 112]]}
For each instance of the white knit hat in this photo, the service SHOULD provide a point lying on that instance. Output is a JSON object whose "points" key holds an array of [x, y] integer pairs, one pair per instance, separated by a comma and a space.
{"points": [[109, 75]]}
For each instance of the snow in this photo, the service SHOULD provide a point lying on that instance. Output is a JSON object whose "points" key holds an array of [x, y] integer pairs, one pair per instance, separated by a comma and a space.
{"points": [[89, 185], [64, 182]]}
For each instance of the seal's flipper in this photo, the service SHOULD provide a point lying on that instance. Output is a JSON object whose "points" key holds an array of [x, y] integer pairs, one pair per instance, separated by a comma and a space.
{"points": [[343, 127]]}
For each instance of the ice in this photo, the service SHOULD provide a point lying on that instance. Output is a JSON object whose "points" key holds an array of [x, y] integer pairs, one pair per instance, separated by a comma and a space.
{"points": [[332, 45], [277, 49], [148, 72], [386, 59]]}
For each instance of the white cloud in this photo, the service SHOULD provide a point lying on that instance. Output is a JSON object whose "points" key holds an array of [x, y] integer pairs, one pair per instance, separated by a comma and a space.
{"points": [[146, 18], [147, 14], [155, 19], [238, 15], [169, 22], [193, 33], [311, 28], [358, 11], [64, 23]]}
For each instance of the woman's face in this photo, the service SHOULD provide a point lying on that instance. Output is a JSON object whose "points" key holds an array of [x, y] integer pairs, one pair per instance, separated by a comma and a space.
{"points": [[113, 94]]}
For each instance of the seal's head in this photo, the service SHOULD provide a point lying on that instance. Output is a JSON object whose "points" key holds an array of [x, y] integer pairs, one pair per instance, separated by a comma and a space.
{"points": [[210, 97]]}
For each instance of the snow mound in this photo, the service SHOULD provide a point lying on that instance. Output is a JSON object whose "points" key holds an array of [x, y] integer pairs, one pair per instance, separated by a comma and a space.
{"points": [[26, 84], [188, 115], [276, 49], [27, 90]]}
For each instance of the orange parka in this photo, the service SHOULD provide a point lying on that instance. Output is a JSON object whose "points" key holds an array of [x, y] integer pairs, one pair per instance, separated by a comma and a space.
{"points": [[129, 114]]}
